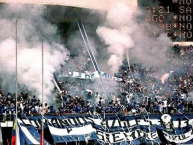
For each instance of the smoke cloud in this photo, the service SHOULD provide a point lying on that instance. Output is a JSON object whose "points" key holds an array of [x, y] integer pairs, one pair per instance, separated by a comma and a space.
{"points": [[32, 28], [124, 31]]}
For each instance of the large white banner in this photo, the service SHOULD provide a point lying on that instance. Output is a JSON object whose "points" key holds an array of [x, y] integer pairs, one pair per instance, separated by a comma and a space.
{"points": [[93, 75]]}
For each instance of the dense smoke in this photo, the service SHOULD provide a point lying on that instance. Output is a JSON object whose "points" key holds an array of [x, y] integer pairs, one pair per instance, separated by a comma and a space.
{"points": [[124, 32], [32, 28]]}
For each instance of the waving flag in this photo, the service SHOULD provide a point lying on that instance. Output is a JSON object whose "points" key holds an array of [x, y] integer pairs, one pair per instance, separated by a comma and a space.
{"points": [[13, 137], [29, 134], [17, 137]]}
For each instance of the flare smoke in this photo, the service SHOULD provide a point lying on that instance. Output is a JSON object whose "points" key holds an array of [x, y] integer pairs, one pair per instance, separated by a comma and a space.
{"points": [[124, 31], [32, 28]]}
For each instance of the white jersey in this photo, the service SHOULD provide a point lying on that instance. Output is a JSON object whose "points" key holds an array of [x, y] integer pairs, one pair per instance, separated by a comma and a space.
{"points": [[160, 108], [165, 103], [40, 110], [37, 108], [128, 99], [119, 101]]}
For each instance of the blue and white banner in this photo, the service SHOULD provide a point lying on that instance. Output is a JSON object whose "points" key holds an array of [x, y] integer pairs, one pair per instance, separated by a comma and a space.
{"points": [[83, 133], [93, 75], [27, 134], [111, 129]]}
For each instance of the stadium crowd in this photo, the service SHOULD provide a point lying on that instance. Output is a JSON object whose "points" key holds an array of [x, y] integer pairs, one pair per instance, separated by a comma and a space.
{"points": [[139, 92]]}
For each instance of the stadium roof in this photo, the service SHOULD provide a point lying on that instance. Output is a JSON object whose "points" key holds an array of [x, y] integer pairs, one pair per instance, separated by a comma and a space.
{"points": [[91, 4]]}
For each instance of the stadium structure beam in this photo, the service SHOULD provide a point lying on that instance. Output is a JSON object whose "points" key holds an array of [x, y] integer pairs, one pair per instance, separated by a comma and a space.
{"points": [[91, 4], [92, 57]]}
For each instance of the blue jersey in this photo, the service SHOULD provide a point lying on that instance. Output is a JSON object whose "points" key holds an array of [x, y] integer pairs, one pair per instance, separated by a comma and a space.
{"points": [[113, 109], [78, 109], [26, 110], [11, 108], [1, 108], [87, 108], [118, 108], [19, 110], [61, 110], [52, 110], [33, 110], [74, 107], [91, 109], [33, 100], [156, 108], [179, 106], [108, 109]]}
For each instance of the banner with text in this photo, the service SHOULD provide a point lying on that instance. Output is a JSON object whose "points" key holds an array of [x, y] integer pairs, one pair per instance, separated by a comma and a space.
{"points": [[116, 128]]}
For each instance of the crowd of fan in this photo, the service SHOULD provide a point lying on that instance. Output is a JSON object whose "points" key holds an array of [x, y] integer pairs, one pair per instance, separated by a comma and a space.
{"points": [[137, 93]]}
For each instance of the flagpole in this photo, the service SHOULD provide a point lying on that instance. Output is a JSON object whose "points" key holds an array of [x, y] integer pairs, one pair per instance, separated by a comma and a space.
{"points": [[16, 79], [42, 130]]}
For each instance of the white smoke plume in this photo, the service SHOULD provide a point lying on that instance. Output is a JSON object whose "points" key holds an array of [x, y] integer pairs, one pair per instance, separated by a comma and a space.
{"points": [[32, 28], [123, 31]]}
